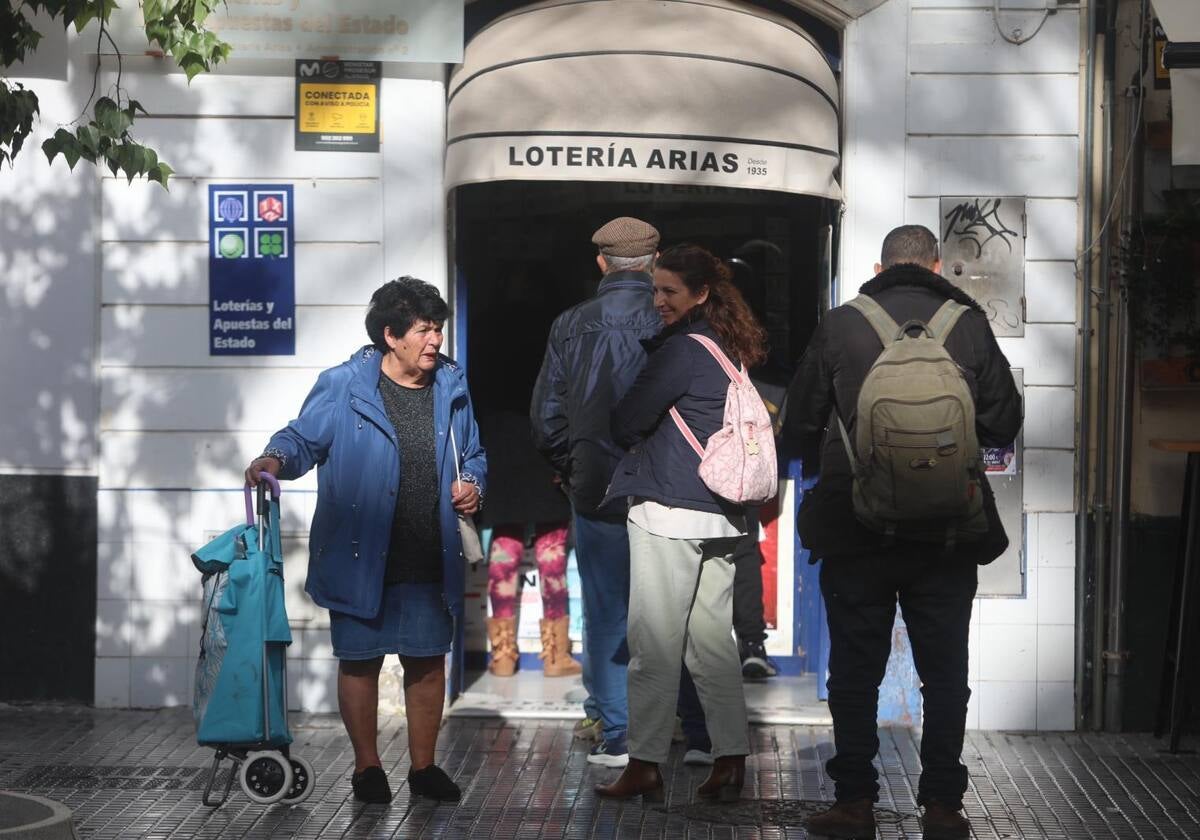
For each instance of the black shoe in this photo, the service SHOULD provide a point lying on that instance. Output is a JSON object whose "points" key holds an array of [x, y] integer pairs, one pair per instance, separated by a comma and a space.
{"points": [[756, 665], [371, 785], [432, 783]]}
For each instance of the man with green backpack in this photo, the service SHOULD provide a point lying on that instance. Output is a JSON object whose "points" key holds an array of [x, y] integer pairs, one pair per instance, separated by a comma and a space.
{"points": [[897, 392]]}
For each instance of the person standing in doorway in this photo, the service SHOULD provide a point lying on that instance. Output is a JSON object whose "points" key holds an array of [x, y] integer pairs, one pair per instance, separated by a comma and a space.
{"points": [[682, 536], [593, 355], [532, 508], [749, 622], [929, 566]]}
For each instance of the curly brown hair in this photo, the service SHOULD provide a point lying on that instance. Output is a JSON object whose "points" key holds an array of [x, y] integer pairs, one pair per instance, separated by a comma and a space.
{"points": [[725, 308]]}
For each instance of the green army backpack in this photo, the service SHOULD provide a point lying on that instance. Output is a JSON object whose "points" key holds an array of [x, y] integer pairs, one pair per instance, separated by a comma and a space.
{"points": [[916, 475]]}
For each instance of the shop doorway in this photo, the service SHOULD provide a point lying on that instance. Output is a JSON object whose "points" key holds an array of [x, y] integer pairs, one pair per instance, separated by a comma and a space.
{"points": [[567, 113], [523, 254]]}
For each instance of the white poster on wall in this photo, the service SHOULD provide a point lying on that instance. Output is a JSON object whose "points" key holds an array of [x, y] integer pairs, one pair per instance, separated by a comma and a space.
{"points": [[368, 30]]}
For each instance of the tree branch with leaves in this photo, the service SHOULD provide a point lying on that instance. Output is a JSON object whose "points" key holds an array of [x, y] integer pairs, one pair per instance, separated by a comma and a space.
{"points": [[101, 134]]}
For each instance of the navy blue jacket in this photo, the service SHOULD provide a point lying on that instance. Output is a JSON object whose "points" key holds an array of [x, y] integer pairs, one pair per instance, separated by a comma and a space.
{"points": [[344, 431], [592, 357], [660, 464]]}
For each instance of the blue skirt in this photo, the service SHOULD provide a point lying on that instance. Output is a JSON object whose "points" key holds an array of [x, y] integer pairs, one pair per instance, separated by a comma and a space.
{"points": [[412, 621]]}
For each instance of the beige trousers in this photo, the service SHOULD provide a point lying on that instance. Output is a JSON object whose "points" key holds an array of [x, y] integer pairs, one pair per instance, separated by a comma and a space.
{"points": [[681, 609]]}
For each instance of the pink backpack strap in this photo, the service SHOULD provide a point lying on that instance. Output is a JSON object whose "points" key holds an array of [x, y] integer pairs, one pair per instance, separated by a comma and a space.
{"points": [[735, 376], [687, 432]]}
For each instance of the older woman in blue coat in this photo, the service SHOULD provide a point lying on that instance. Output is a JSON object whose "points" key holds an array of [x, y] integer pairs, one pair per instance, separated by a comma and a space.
{"points": [[390, 431]]}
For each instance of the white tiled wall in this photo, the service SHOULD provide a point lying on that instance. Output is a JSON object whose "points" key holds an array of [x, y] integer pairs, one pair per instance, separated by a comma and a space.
{"points": [[177, 425], [1049, 417], [898, 158], [148, 616], [1050, 292], [1019, 643], [1027, 144]]}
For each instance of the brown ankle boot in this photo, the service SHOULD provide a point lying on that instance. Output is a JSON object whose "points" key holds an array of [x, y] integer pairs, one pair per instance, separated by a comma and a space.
{"points": [[940, 822], [639, 778], [502, 636], [853, 819], [725, 780], [556, 649]]}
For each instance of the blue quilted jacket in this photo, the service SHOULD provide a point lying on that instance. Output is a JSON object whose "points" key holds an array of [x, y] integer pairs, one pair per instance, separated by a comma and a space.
{"points": [[344, 431]]}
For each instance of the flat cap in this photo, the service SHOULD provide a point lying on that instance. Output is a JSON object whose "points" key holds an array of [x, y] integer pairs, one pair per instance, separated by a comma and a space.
{"points": [[626, 237]]}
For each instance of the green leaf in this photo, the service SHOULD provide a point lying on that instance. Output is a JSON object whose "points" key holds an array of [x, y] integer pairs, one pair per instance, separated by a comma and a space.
{"points": [[70, 151], [152, 10], [110, 118], [53, 146], [62, 143], [18, 107], [17, 35], [82, 19], [200, 11], [137, 160], [193, 65], [160, 174], [89, 138], [101, 110]]}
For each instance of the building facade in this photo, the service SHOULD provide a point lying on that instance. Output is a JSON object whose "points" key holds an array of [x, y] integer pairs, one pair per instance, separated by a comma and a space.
{"points": [[119, 416]]}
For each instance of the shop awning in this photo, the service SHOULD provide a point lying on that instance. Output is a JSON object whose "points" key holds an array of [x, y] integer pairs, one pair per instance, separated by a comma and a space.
{"points": [[1181, 20], [701, 92]]}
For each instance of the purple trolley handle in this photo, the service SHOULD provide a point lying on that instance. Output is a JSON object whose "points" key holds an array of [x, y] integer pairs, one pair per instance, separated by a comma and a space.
{"points": [[272, 482]]}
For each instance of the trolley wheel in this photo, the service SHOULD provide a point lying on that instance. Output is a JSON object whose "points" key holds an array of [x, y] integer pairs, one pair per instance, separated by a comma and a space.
{"points": [[266, 776], [304, 778]]}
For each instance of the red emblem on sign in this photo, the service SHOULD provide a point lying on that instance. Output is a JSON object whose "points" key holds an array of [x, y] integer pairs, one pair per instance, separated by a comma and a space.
{"points": [[270, 209]]}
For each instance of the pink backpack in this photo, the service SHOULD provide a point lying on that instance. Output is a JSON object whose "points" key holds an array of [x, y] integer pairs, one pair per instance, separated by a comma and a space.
{"points": [[738, 464]]}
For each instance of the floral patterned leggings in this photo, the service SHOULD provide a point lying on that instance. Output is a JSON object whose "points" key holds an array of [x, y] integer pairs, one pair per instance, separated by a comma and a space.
{"points": [[550, 548]]}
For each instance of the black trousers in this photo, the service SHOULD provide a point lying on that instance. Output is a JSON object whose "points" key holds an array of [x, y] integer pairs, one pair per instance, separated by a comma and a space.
{"points": [[935, 597], [748, 621]]}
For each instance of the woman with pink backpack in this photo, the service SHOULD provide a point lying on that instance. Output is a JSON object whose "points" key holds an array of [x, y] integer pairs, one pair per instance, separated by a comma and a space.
{"points": [[699, 448]]}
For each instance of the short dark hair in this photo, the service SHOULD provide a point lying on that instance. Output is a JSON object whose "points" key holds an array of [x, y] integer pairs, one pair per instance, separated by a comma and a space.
{"points": [[399, 304], [914, 244]]}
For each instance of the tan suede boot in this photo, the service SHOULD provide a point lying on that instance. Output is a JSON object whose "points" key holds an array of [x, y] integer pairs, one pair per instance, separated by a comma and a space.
{"points": [[502, 636], [556, 649]]}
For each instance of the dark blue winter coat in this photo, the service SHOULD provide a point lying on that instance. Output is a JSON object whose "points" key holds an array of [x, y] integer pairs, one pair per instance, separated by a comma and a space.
{"points": [[592, 357], [344, 431], [660, 464]]}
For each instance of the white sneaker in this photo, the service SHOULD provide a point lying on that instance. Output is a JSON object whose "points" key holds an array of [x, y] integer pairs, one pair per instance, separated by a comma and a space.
{"points": [[612, 753], [698, 758]]}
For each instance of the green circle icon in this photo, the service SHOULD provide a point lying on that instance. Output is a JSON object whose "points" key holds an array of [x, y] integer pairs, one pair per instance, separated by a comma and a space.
{"points": [[232, 246]]}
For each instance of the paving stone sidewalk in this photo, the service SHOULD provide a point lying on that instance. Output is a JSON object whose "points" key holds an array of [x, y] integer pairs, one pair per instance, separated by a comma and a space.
{"points": [[139, 774]]}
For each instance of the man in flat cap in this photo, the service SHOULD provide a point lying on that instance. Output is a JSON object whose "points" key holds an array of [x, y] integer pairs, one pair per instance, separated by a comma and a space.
{"points": [[592, 357]]}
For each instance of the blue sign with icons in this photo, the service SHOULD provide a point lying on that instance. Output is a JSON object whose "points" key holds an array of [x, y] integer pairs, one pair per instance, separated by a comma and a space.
{"points": [[251, 270]]}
